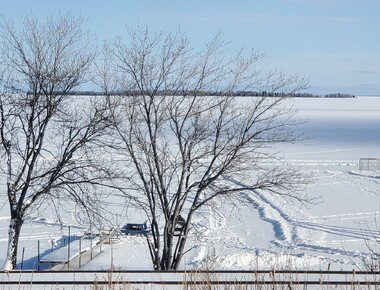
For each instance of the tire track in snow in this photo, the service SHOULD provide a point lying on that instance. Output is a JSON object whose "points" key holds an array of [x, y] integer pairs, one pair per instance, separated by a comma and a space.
{"points": [[282, 223], [299, 231], [285, 227]]}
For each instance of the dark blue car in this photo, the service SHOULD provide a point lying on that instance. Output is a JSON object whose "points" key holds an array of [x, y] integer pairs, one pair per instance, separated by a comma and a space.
{"points": [[135, 229]]}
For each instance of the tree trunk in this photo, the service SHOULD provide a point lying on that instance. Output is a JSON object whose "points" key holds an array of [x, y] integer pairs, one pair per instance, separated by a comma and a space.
{"points": [[154, 245], [15, 225], [166, 258], [180, 247]]}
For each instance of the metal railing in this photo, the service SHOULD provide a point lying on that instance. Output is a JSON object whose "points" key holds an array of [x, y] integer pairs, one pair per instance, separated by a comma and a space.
{"points": [[185, 279]]}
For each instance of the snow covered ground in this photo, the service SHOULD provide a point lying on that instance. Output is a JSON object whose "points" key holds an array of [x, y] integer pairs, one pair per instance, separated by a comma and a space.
{"points": [[266, 232]]}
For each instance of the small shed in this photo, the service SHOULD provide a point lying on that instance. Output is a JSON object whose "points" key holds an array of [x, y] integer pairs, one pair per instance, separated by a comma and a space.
{"points": [[179, 225]]}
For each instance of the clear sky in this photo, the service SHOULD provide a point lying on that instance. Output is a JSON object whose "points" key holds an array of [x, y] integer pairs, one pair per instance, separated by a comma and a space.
{"points": [[336, 43]]}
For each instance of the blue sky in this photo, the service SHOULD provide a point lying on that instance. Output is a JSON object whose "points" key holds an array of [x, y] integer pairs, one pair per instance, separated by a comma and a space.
{"points": [[336, 43]]}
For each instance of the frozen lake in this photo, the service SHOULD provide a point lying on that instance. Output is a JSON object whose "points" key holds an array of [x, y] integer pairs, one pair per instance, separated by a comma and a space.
{"points": [[267, 231]]}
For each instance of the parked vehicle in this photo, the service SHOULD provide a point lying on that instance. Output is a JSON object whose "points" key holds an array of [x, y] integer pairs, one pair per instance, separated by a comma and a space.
{"points": [[135, 229]]}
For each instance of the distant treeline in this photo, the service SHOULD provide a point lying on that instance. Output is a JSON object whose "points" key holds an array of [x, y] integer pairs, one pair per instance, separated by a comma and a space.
{"points": [[216, 93]]}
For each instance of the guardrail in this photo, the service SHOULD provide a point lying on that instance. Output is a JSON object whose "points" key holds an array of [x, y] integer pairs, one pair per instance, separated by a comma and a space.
{"points": [[186, 279]]}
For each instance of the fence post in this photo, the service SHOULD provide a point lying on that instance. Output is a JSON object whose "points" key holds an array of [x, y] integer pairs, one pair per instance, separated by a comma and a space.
{"points": [[38, 254], [22, 257], [80, 252], [91, 238], [68, 251]]}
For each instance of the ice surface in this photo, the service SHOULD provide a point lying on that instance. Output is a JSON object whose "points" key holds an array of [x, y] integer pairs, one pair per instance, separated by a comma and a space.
{"points": [[266, 232]]}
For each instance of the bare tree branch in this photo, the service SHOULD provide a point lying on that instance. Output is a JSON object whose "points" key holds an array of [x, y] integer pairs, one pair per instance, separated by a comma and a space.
{"points": [[185, 149], [50, 138]]}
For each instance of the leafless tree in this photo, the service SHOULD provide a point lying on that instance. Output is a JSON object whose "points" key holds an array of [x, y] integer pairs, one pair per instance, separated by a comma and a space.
{"points": [[49, 138], [184, 149]]}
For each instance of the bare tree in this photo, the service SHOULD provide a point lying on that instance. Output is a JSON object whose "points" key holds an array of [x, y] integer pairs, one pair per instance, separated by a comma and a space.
{"points": [[185, 149], [48, 137]]}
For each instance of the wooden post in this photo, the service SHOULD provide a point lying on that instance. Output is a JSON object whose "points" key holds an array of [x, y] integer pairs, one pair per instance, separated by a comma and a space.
{"points": [[80, 252], [22, 257], [68, 250], [91, 238], [38, 253]]}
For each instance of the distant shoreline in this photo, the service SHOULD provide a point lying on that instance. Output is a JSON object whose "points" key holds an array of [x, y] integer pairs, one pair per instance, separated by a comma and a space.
{"points": [[218, 93], [213, 93]]}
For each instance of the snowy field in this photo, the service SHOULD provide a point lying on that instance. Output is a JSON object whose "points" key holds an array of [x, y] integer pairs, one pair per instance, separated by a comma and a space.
{"points": [[266, 232]]}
